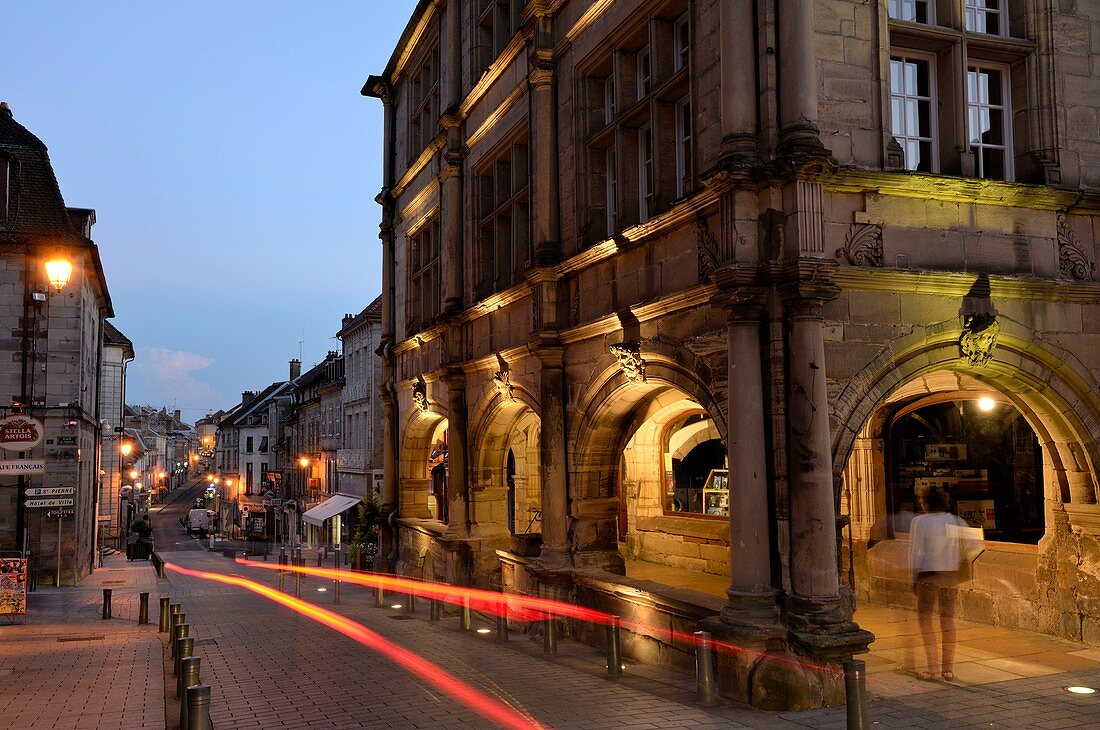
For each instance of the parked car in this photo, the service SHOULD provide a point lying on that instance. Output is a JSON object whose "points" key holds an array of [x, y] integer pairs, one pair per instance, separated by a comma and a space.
{"points": [[200, 503]]}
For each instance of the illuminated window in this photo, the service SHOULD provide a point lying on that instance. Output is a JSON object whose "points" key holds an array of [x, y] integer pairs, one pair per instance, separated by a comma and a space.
{"points": [[985, 16], [911, 120], [695, 473]]}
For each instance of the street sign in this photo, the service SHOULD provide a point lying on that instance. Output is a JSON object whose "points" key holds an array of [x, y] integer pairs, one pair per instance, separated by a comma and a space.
{"points": [[49, 491], [59, 502], [23, 466], [61, 513], [66, 440]]}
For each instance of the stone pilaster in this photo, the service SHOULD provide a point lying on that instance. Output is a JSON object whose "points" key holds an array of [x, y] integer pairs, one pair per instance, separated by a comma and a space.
{"points": [[738, 70], [819, 620], [458, 473], [552, 464], [543, 80], [798, 130]]}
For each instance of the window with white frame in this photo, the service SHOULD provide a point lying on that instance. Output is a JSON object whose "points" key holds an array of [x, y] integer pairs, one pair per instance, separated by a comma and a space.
{"points": [[681, 43], [985, 16], [987, 120], [612, 176], [683, 147], [609, 99], [911, 104], [644, 65], [914, 11]]}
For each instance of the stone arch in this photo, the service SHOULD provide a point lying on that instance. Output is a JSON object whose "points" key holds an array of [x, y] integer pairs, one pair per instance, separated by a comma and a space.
{"points": [[505, 424], [420, 432], [608, 415], [1049, 386]]}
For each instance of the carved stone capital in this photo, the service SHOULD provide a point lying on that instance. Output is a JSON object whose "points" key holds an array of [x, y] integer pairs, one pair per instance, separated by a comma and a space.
{"points": [[862, 245], [745, 304], [979, 339], [502, 381], [1073, 262], [420, 396], [631, 362]]}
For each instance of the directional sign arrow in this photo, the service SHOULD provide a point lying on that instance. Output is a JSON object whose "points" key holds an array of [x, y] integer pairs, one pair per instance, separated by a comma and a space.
{"points": [[58, 502]]}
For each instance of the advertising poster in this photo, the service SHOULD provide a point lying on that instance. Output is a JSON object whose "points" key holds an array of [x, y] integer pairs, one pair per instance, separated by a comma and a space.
{"points": [[13, 586]]}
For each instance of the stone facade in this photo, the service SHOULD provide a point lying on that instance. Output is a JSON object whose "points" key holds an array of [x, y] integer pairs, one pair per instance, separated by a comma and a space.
{"points": [[613, 231], [117, 352], [51, 355], [361, 452]]}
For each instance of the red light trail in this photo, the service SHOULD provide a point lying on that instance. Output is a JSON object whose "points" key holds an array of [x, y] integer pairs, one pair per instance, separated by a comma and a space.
{"points": [[489, 708], [518, 607]]}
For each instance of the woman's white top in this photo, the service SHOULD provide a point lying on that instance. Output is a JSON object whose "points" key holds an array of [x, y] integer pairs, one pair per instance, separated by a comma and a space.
{"points": [[935, 542]]}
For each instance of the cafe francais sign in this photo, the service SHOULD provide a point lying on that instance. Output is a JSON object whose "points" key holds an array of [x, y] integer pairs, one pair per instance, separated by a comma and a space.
{"points": [[20, 433]]}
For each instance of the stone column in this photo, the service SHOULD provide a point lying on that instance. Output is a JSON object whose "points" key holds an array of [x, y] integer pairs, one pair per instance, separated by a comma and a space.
{"points": [[738, 70], [458, 517], [751, 599], [819, 621], [544, 146], [798, 131], [552, 464], [450, 219]]}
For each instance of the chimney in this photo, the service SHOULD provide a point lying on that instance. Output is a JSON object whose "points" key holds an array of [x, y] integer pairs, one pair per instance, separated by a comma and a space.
{"points": [[5, 109], [247, 395], [295, 368], [176, 415]]}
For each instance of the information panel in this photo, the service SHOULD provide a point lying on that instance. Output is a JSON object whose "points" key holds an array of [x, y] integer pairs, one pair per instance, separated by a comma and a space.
{"points": [[13, 586]]}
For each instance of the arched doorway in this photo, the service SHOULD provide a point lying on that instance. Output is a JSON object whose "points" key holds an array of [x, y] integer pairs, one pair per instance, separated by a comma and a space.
{"points": [[506, 504], [423, 484]]}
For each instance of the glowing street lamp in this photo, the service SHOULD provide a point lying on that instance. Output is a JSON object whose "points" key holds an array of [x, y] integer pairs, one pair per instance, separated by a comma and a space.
{"points": [[126, 448], [58, 272], [303, 461], [133, 473]]}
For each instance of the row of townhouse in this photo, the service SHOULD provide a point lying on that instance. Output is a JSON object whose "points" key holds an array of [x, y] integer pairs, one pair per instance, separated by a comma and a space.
{"points": [[62, 373], [291, 460]]}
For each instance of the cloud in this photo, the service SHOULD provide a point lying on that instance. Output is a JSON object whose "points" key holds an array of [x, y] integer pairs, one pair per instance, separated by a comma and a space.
{"points": [[164, 376]]}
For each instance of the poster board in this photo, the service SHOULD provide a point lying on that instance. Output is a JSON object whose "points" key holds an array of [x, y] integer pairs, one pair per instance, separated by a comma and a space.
{"points": [[13, 586], [979, 513]]}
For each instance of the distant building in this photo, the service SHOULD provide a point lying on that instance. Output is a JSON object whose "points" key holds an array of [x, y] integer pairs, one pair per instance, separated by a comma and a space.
{"points": [[51, 357], [359, 460], [118, 352]]}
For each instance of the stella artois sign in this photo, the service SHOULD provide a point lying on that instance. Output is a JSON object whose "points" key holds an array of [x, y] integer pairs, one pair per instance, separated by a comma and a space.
{"points": [[20, 433]]}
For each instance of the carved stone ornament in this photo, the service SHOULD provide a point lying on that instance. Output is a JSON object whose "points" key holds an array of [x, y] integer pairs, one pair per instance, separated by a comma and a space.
{"points": [[575, 307], [503, 382], [629, 355], [862, 245], [1072, 261], [420, 396], [708, 248], [979, 338]]}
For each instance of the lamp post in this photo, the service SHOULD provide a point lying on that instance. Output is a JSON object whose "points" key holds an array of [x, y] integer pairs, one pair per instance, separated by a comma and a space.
{"points": [[303, 462], [125, 448], [58, 272]]}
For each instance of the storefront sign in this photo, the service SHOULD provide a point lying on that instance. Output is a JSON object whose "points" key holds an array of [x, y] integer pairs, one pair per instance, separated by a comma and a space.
{"points": [[59, 502], [20, 433], [13, 586], [979, 513], [49, 491], [23, 466]]}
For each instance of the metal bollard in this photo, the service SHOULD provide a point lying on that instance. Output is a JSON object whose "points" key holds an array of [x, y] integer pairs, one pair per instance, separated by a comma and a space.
{"points": [[466, 617], [178, 647], [175, 608], [186, 649], [614, 649], [297, 585], [550, 636], [336, 581], [165, 616], [502, 621], [855, 693], [198, 707], [319, 557], [410, 603], [179, 631], [704, 669], [434, 607], [143, 608], [106, 603], [282, 573], [189, 674], [379, 597]]}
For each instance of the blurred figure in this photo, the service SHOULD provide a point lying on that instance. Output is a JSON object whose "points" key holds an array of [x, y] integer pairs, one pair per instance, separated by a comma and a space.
{"points": [[938, 543]]}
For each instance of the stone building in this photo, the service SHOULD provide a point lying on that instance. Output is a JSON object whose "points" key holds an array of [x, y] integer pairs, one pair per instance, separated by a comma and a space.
{"points": [[722, 287], [118, 352], [359, 459], [50, 358]]}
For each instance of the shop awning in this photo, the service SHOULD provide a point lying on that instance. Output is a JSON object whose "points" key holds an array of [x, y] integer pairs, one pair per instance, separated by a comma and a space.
{"points": [[330, 508]]}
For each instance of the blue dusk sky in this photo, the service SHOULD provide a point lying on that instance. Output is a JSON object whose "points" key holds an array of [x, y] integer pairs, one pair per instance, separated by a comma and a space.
{"points": [[232, 165]]}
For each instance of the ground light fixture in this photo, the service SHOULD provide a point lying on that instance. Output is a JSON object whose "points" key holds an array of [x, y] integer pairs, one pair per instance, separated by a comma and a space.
{"points": [[1080, 690], [396, 605], [986, 403], [484, 631]]}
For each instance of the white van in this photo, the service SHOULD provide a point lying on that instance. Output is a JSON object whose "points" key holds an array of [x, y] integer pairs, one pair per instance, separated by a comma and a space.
{"points": [[199, 521]]}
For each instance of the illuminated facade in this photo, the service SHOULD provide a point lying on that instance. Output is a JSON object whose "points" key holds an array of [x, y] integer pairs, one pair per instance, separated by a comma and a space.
{"points": [[658, 281]]}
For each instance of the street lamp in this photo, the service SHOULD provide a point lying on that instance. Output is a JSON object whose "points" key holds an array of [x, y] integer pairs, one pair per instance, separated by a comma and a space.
{"points": [[58, 272]]}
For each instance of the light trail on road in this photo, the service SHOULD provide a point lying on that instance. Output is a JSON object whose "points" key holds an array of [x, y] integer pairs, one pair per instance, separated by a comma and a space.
{"points": [[521, 607], [485, 706]]}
